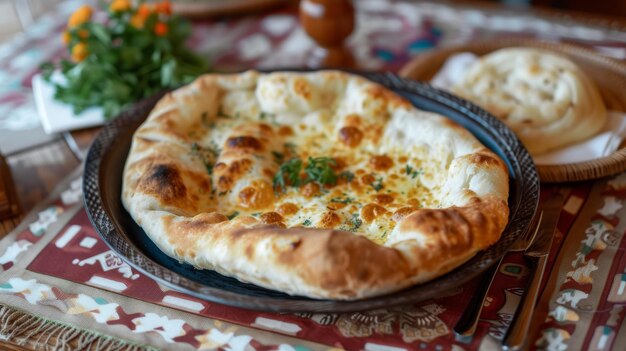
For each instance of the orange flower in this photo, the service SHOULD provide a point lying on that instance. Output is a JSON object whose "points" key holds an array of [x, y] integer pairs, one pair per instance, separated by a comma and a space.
{"points": [[160, 29], [120, 5], [79, 52], [164, 7], [137, 21], [67, 37], [83, 33], [144, 10], [80, 16]]}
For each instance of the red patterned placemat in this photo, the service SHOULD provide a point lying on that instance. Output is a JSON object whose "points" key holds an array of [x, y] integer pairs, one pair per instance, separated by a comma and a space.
{"points": [[58, 262]]}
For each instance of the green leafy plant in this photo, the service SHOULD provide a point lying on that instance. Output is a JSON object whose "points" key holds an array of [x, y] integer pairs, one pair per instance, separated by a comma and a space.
{"points": [[138, 51]]}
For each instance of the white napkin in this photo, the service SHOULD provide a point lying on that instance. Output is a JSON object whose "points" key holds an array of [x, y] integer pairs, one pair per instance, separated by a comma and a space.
{"points": [[57, 116], [602, 144]]}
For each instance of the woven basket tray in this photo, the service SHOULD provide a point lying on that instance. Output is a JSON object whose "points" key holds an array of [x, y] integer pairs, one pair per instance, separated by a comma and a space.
{"points": [[608, 74], [207, 8]]}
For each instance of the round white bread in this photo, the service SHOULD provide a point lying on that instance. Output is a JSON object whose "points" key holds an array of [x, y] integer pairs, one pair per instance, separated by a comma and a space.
{"points": [[546, 99]]}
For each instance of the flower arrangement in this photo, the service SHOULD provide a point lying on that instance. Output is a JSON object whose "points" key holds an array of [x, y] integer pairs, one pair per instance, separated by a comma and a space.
{"points": [[138, 51]]}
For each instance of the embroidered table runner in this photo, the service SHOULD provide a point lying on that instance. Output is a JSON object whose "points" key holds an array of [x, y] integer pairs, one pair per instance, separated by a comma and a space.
{"points": [[56, 267]]}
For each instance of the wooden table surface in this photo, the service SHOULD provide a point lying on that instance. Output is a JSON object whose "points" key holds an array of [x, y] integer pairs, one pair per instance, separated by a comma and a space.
{"points": [[36, 171]]}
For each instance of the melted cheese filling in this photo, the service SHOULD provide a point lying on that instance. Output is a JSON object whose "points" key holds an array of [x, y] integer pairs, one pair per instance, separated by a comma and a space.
{"points": [[378, 184]]}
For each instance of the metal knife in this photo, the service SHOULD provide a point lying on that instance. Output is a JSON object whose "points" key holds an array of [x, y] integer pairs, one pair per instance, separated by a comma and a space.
{"points": [[537, 253]]}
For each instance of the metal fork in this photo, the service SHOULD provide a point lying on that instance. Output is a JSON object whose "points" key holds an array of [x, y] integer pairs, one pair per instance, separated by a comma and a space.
{"points": [[466, 326]]}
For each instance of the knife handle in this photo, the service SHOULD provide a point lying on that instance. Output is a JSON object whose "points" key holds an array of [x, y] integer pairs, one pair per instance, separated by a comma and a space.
{"points": [[517, 333], [466, 326]]}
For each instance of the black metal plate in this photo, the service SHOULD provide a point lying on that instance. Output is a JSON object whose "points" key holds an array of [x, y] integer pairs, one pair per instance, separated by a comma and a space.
{"points": [[102, 187]]}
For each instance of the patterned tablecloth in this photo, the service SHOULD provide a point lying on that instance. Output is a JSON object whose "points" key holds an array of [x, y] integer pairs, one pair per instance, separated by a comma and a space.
{"points": [[56, 267]]}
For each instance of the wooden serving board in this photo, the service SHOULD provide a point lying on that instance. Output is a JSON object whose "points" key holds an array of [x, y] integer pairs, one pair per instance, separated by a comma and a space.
{"points": [[608, 74]]}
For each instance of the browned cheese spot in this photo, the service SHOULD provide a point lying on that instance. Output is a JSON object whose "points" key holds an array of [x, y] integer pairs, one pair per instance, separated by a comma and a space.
{"points": [[402, 159], [350, 136], [329, 220], [228, 174], [403, 212], [413, 202], [244, 142], [301, 87], [264, 127], [339, 164], [336, 205], [287, 209], [285, 131], [375, 133], [272, 218], [367, 179], [310, 189], [383, 199], [370, 212], [353, 120], [268, 172], [381, 162], [534, 69], [259, 195]]}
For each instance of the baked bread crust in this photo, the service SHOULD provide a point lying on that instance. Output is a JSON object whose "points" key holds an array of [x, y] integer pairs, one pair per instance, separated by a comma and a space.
{"points": [[543, 97], [184, 197]]}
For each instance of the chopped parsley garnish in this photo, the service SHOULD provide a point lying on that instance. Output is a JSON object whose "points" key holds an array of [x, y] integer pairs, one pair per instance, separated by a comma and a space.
{"points": [[307, 222], [289, 171], [264, 115], [377, 184], [233, 215], [347, 175], [410, 171], [345, 200], [384, 235], [356, 222], [278, 157], [319, 170]]}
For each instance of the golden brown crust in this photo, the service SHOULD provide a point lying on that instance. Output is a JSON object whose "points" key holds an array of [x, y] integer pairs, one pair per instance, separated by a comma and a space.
{"points": [[204, 195]]}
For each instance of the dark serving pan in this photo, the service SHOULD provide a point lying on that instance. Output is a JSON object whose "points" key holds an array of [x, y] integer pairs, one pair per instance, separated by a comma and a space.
{"points": [[102, 188]]}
